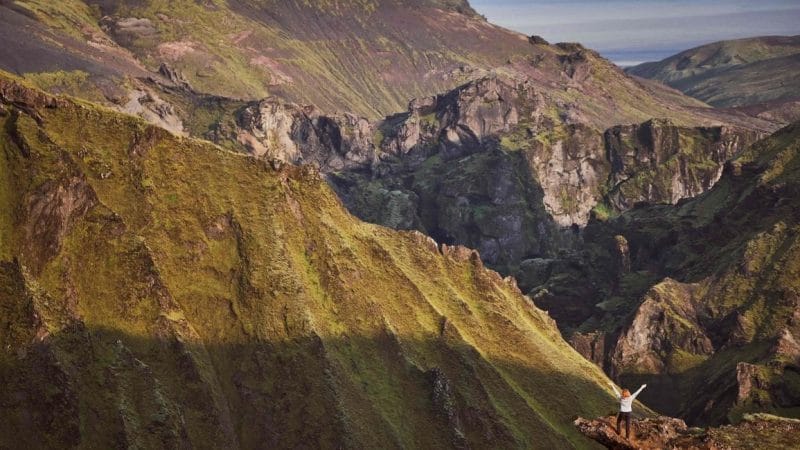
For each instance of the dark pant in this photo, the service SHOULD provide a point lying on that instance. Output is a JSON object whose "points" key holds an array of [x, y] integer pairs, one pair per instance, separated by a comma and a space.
{"points": [[627, 417]]}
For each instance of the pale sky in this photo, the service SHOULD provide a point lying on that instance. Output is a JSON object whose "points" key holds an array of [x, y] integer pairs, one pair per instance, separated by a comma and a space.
{"points": [[631, 31]]}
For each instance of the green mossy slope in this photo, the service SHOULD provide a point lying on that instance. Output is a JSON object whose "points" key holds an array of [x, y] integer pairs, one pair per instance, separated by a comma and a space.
{"points": [[161, 292]]}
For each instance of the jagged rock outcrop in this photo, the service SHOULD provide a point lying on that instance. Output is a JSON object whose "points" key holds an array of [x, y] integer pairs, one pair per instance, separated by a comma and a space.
{"points": [[658, 162], [301, 135], [749, 379], [650, 433], [488, 165], [591, 345], [665, 331], [148, 105], [50, 212]]}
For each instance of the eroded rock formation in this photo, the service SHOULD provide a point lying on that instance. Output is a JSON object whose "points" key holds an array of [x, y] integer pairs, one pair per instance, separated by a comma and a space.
{"points": [[704, 307], [490, 165]]}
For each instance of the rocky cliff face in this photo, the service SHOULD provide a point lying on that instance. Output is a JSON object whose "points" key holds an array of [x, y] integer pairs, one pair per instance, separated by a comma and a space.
{"points": [[701, 300], [497, 164], [301, 135], [664, 331], [658, 162], [158, 291]]}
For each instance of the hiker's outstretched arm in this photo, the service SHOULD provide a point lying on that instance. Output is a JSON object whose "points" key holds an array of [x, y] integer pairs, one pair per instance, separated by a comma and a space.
{"points": [[616, 392], [640, 390]]}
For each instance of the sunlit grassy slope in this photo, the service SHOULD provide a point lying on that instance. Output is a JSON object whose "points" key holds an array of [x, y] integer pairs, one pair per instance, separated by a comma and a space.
{"points": [[161, 292], [360, 56]]}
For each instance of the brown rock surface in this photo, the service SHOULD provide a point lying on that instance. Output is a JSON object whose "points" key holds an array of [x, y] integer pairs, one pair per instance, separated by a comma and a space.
{"points": [[755, 432], [647, 434]]}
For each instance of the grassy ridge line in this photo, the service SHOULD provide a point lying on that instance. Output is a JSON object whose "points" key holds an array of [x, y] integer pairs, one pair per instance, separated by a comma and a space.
{"points": [[264, 281]]}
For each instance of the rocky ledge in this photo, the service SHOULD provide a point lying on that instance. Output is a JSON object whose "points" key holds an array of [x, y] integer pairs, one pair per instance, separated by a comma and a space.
{"points": [[756, 431]]}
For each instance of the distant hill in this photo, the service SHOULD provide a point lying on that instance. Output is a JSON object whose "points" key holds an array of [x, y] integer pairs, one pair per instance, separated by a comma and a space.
{"points": [[733, 73]]}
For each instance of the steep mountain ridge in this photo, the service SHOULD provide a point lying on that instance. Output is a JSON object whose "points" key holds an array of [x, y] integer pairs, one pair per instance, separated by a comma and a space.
{"points": [[162, 292]]}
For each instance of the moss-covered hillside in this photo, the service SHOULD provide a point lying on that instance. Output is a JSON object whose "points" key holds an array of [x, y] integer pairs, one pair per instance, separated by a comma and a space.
{"points": [[364, 56], [161, 292]]}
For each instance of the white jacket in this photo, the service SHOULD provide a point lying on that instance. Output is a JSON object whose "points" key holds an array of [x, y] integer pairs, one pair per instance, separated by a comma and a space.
{"points": [[626, 403]]}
